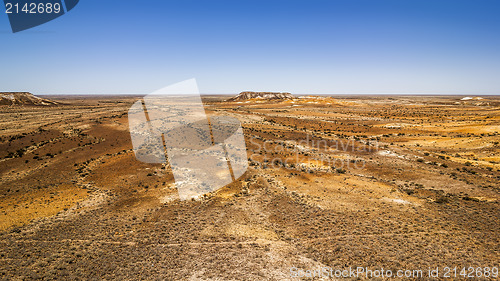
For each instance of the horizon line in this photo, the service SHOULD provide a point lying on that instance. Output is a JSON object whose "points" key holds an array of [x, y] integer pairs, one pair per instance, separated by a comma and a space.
{"points": [[295, 94]]}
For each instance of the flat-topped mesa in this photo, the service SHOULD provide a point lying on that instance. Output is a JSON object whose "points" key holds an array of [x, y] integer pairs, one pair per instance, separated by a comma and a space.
{"points": [[261, 95], [23, 98]]}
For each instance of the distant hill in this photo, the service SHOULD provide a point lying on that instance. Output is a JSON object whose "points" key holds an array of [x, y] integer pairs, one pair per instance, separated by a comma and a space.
{"points": [[23, 98], [261, 95]]}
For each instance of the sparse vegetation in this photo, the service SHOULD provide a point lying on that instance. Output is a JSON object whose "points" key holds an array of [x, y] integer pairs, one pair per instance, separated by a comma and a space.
{"points": [[75, 202]]}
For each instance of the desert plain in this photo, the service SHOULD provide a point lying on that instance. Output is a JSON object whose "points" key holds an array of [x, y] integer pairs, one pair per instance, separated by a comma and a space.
{"points": [[393, 182]]}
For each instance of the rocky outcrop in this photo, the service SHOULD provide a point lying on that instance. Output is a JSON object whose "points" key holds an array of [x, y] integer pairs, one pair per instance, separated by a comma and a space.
{"points": [[261, 95], [23, 98]]}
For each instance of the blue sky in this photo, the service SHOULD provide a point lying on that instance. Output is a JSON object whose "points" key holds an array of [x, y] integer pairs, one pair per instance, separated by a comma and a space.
{"points": [[309, 46]]}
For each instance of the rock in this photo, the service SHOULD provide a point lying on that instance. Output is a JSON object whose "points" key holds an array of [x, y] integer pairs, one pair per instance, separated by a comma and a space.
{"points": [[23, 98], [261, 95]]}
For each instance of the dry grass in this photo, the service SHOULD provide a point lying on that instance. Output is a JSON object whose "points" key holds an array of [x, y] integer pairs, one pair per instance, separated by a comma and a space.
{"points": [[426, 195]]}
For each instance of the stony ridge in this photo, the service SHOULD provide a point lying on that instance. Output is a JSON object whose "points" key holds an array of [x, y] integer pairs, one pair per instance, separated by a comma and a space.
{"points": [[23, 98], [261, 95]]}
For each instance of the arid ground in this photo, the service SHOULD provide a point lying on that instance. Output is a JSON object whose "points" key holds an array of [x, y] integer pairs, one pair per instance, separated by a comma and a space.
{"points": [[393, 182]]}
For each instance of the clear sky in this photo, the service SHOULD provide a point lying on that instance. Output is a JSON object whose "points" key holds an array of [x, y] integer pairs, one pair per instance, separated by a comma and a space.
{"points": [[308, 46]]}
